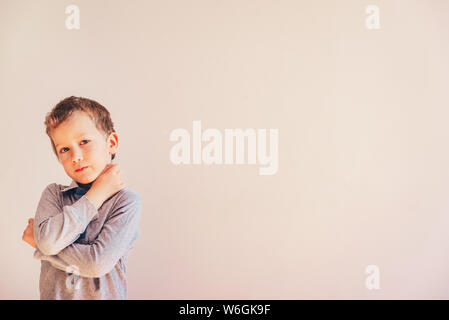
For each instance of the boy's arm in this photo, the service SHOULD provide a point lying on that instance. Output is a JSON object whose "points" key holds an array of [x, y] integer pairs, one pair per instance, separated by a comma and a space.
{"points": [[115, 239], [54, 227]]}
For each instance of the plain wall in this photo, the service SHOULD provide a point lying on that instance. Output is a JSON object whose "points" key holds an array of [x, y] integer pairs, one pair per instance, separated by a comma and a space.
{"points": [[362, 115]]}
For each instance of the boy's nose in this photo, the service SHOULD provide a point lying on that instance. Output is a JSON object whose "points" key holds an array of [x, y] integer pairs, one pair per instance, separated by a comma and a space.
{"points": [[77, 158]]}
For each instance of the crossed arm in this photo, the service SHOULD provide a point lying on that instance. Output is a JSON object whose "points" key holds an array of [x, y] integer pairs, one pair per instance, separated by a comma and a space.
{"points": [[56, 230]]}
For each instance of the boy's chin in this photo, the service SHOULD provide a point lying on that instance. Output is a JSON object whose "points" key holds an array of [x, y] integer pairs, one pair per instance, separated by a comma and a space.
{"points": [[84, 180]]}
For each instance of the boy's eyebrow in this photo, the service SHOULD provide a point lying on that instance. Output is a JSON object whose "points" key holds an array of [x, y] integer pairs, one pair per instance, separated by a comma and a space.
{"points": [[82, 134]]}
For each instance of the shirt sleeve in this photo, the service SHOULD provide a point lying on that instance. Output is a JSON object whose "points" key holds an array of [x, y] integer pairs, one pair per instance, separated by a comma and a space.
{"points": [[57, 226], [116, 238]]}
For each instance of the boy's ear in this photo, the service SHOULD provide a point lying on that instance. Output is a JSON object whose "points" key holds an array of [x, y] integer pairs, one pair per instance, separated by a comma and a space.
{"points": [[113, 143]]}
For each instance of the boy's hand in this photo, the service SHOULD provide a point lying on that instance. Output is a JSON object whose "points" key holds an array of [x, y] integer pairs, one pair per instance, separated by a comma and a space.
{"points": [[28, 234], [108, 183]]}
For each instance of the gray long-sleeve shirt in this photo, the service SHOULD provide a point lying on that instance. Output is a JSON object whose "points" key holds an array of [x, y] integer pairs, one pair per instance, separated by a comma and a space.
{"points": [[83, 250]]}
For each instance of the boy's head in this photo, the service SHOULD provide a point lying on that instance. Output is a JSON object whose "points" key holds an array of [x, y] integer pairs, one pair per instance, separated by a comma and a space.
{"points": [[82, 135]]}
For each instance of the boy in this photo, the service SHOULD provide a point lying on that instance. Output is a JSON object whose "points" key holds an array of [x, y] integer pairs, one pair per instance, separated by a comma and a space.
{"points": [[83, 232]]}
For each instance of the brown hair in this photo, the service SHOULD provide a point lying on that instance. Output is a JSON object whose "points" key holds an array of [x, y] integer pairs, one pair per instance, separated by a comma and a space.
{"points": [[65, 108]]}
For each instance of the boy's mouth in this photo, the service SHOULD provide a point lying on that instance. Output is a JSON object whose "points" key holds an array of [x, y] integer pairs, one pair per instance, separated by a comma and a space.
{"points": [[80, 169]]}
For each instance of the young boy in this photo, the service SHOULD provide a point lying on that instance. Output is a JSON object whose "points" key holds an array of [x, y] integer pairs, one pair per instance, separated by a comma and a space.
{"points": [[84, 232]]}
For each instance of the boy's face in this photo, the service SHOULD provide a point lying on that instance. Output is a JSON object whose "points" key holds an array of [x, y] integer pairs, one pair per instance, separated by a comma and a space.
{"points": [[79, 144]]}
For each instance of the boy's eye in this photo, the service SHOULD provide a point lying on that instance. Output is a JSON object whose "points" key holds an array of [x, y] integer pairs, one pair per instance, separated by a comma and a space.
{"points": [[63, 150]]}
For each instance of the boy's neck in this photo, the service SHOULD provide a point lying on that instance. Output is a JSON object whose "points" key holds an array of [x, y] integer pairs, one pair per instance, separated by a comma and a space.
{"points": [[85, 187]]}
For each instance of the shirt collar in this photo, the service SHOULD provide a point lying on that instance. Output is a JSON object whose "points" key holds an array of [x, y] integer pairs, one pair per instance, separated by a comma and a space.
{"points": [[74, 185]]}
